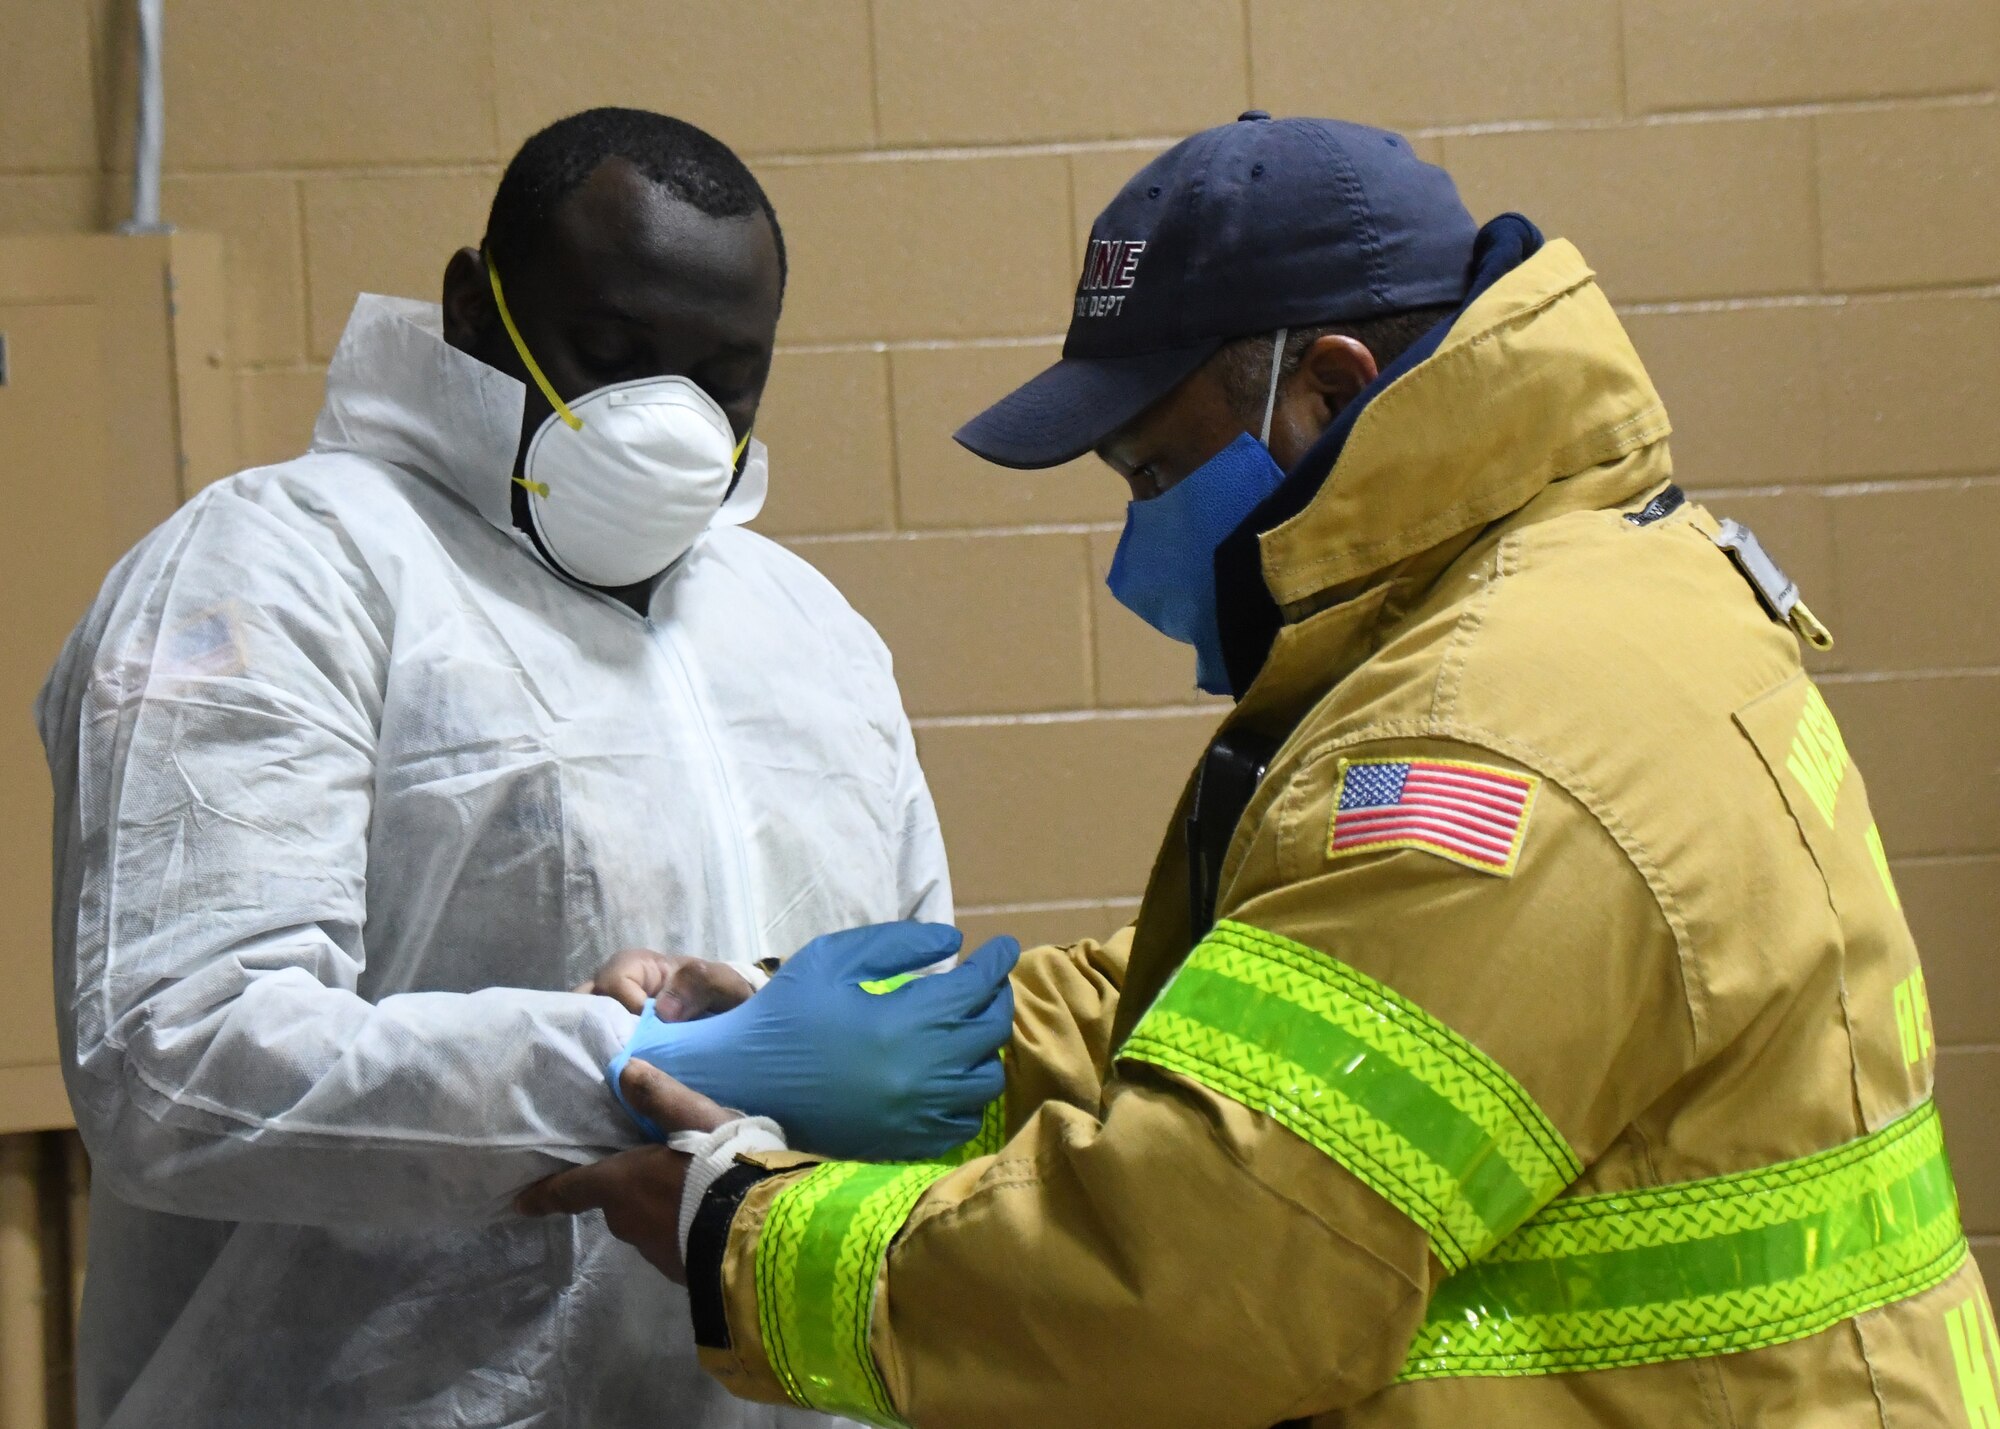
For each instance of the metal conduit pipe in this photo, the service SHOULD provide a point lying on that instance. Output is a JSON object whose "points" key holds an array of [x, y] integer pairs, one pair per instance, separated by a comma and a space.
{"points": [[149, 132]]}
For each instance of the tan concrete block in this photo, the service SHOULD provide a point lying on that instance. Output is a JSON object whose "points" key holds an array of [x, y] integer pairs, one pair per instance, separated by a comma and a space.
{"points": [[1916, 572], [1796, 528], [1986, 1250], [1095, 177], [1660, 211], [48, 106], [919, 248], [1909, 386], [1061, 926], [943, 484], [1953, 906], [1694, 54], [1039, 811], [335, 82], [258, 218], [385, 234], [1926, 747], [761, 75], [1134, 663], [978, 624], [1742, 386], [1908, 196], [52, 203], [966, 71], [1968, 1089], [825, 417], [1436, 61], [274, 413]]}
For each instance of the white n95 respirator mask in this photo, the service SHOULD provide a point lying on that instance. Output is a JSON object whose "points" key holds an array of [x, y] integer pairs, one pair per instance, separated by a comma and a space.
{"points": [[623, 481]]}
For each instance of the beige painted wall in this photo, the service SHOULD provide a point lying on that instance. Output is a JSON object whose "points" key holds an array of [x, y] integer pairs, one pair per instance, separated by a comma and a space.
{"points": [[1793, 201]]}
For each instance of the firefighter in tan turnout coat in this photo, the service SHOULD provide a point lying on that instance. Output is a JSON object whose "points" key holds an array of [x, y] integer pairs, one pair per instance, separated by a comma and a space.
{"points": [[1521, 1027]]}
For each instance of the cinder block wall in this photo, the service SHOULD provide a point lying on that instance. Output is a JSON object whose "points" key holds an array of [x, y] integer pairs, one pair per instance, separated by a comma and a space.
{"points": [[1796, 203]]}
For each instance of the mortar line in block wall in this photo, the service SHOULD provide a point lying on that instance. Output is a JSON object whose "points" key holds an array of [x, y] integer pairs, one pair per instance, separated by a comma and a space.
{"points": [[952, 533], [1249, 52], [34, 171], [1149, 143], [897, 505], [492, 59], [1621, 44], [874, 77], [1816, 204], [344, 169], [1846, 297], [917, 344], [1929, 672], [953, 153], [302, 255], [1938, 860], [1872, 486], [994, 721], [1059, 905], [1093, 629], [1744, 113]]}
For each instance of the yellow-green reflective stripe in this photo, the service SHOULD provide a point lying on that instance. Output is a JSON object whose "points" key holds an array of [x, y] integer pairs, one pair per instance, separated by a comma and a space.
{"points": [[818, 1259], [990, 1137], [1353, 1067], [1707, 1267]]}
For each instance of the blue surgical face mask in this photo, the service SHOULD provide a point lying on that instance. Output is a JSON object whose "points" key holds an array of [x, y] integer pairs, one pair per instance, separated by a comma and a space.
{"points": [[1164, 571]]}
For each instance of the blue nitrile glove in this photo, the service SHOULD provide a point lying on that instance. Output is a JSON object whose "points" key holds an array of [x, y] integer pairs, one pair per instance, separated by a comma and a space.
{"points": [[851, 1059]]}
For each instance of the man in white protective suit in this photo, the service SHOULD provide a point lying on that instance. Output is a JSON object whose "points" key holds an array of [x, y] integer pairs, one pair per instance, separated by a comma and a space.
{"points": [[369, 762]]}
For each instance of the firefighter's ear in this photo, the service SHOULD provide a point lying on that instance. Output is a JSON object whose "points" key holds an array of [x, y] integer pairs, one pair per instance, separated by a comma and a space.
{"points": [[1331, 373], [1335, 368]]}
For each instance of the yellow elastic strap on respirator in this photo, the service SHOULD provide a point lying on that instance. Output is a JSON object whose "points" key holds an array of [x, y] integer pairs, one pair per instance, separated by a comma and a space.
{"points": [[570, 419]]}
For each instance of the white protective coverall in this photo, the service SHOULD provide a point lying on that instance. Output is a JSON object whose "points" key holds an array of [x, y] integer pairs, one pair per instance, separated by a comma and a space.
{"points": [[349, 788]]}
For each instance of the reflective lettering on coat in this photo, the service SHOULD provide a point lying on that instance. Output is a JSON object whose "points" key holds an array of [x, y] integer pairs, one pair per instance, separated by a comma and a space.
{"points": [[1913, 1020], [1879, 856], [1975, 1349], [1818, 758]]}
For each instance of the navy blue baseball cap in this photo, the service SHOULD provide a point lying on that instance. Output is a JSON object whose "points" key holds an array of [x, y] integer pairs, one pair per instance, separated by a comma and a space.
{"points": [[1240, 229]]}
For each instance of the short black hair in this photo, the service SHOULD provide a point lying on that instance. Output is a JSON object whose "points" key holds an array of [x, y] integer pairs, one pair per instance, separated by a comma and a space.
{"points": [[691, 164], [1246, 361]]}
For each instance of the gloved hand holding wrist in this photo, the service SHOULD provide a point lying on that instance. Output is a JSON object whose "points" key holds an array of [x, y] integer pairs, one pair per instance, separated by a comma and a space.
{"points": [[851, 1060]]}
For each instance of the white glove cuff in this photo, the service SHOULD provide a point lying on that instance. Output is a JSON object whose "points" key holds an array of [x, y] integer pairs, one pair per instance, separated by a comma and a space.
{"points": [[714, 1152]]}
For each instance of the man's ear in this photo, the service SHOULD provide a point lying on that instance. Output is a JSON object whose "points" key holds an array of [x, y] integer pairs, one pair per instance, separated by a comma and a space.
{"points": [[1330, 374], [1335, 369], [470, 317]]}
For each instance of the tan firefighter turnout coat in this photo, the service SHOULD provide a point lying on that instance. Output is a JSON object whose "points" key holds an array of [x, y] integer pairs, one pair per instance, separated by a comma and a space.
{"points": [[1559, 1056]]}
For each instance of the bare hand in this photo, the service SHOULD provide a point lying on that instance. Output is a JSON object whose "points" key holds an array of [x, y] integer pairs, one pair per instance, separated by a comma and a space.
{"points": [[638, 1191], [683, 989]]}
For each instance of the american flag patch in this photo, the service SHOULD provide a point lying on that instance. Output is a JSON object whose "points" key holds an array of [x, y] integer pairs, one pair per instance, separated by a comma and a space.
{"points": [[1469, 813]]}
